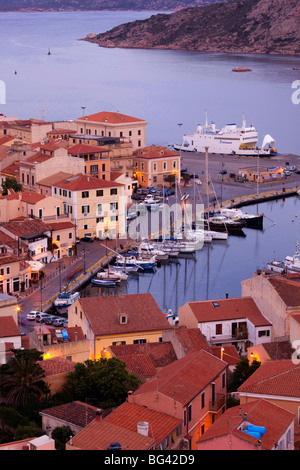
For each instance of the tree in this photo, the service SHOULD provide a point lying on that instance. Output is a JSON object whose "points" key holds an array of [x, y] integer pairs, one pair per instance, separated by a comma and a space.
{"points": [[61, 435], [21, 380], [186, 178], [11, 183], [105, 381], [170, 179], [241, 373]]}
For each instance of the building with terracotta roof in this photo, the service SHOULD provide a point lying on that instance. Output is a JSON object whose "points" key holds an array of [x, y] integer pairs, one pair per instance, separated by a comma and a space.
{"points": [[97, 207], [96, 159], [274, 350], [34, 233], [166, 430], [41, 165], [109, 124], [103, 435], [154, 163], [236, 321], [143, 359], [73, 346], [192, 389], [120, 319], [44, 186], [76, 415], [277, 381], [259, 425], [277, 296]]}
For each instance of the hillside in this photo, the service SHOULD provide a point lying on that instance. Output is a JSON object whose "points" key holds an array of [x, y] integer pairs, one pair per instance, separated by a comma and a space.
{"points": [[90, 5], [237, 26]]}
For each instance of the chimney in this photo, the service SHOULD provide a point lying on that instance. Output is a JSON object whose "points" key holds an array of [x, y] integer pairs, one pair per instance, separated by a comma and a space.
{"points": [[99, 415], [143, 428]]}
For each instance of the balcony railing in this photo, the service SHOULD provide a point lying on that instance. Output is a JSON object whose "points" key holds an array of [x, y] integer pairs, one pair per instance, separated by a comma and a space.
{"points": [[216, 405], [238, 336]]}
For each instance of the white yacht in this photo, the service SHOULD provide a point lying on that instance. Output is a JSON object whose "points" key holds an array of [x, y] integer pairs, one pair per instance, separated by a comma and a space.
{"points": [[230, 140]]}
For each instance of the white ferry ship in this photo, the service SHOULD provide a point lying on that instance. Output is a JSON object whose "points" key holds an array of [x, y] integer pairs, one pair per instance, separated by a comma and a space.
{"points": [[230, 140]]}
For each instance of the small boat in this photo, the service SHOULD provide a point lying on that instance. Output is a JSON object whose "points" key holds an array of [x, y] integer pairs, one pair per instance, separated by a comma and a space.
{"points": [[112, 275], [104, 282], [251, 220], [289, 264], [135, 261], [224, 224], [65, 299], [126, 269]]}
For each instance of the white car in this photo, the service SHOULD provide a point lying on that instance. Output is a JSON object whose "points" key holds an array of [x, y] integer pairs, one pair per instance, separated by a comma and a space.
{"points": [[32, 315], [41, 317]]}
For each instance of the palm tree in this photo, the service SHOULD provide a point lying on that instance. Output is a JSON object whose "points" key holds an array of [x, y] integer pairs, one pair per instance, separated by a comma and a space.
{"points": [[22, 381]]}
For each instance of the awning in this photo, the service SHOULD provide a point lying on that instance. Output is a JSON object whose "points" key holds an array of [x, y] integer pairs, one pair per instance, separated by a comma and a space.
{"points": [[36, 266]]}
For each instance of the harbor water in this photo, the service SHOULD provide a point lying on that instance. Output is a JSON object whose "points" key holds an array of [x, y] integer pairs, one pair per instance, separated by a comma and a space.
{"points": [[219, 267]]}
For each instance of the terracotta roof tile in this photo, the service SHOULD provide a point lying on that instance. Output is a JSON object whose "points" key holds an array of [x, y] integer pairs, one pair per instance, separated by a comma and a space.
{"points": [[76, 412], [155, 152], [143, 314], [274, 377], [228, 309], [8, 327], [191, 339], [99, 435], [229, 354], [287, 289], [26, 227], [275, 419], [185, 378], [81, 182], [110, 118], [161, 354], [140, 365], [129, 415], [32, 197]]}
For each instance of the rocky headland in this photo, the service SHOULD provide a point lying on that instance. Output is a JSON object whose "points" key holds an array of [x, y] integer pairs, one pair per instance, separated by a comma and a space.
{"points": [[237, 26]]}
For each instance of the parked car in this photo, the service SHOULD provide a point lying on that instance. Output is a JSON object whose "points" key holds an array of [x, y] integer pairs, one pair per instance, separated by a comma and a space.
{"points": [[50, 319], [287, 173], [41, 317], [59, 321], [169, 192], [291, 168], [222, 172], [87, 239], [32, 315]]}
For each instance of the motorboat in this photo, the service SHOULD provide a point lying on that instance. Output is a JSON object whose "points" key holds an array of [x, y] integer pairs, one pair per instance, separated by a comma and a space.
{"points": [[224, 224], [289, 264], [251, 220], [104, 282], [112, 274], [65, 299], [229, 140], [137, 261]]}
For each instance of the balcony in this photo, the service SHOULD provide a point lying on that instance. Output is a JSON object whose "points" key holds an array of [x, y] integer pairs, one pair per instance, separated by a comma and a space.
{"points": [[216, 405]]}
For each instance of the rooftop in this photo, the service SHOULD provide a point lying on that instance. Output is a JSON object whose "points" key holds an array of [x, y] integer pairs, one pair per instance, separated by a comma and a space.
{"points": [[274, 377], [107, 117], [185, 378], [228, 309], [143, 314]]}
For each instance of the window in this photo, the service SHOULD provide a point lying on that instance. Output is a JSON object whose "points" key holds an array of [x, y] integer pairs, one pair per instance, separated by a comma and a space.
{"points": [[139, 132], [174, 164], [58, 238], [202, 400], [99, 192], [113, 191], [263, 333], [84, 194], [85, 209], [99, 209], [223, 380], [65, 193], [70, 234], [219, 329], [154, 166], [139, 341], [165, 165]]}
